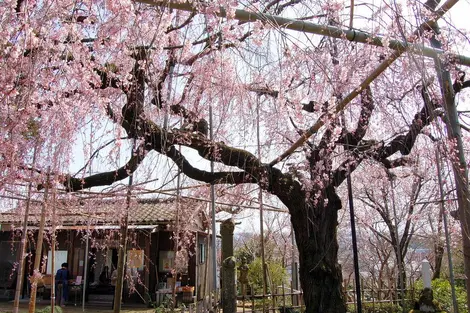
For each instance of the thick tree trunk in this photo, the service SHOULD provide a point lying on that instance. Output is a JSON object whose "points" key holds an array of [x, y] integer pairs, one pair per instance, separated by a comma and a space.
{"points": [[315, 229]]}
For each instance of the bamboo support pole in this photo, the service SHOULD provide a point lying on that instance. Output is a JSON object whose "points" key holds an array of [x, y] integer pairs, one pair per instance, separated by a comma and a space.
{"points": [[37, 261], [53, 243], [123, 247], [22, 257], [446, 231], [459, 164], [325, 30]]}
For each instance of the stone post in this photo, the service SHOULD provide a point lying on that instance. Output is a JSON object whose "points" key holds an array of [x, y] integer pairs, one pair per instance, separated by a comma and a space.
{"points": [[229, 293], [426, 273]]}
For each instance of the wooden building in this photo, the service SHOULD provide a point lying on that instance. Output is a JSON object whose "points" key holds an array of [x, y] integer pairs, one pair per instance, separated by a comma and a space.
{"points": [[166, 238]]}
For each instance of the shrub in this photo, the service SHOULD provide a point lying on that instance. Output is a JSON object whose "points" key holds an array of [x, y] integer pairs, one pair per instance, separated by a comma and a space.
{"points": [[288, 309], [442, 292], [377, 308], [47, 309], [277, 274]]}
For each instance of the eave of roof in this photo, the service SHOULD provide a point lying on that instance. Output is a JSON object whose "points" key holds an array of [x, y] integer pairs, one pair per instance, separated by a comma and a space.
{"points": [[106, 213]]}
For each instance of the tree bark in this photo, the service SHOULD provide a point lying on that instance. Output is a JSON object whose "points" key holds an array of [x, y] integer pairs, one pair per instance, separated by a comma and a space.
{"points": [[315, 229]]}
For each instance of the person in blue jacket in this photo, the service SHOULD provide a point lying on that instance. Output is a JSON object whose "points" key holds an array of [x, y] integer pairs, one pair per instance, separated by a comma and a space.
{"points": [[62, 284]]}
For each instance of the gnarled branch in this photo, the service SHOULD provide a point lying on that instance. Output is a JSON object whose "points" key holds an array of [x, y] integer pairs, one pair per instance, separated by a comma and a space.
{"points": [[106, 178], [232, 177]]}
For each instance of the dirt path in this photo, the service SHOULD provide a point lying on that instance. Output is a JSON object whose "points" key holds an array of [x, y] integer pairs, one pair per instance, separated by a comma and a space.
{"points": [[7, 307]]}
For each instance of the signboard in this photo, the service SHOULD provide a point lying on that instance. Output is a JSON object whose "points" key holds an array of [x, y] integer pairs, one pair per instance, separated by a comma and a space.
{"points": [[166, 259], [135, 259]]}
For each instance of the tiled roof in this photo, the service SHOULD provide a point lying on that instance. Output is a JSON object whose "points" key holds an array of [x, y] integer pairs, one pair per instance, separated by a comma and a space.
{"points": [[141, 212]]}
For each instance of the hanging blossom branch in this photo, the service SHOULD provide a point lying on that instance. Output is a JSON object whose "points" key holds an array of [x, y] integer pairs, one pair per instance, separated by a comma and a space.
{"points": [[156, 138], [426, 26], [252, 170], [97, 151]]}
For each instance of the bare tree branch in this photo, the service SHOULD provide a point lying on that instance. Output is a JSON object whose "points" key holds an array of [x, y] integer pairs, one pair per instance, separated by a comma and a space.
{"points": [[234, 177], [106, 178], [404, 143]]}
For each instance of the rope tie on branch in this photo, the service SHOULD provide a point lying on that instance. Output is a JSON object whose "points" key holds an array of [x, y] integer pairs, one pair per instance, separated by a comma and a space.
{"points": [[354, 35]]}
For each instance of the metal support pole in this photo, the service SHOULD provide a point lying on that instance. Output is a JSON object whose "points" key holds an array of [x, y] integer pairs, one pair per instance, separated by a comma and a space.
{"points": [[446, 231], [214, 234], [176, 232], [295, 279], [85, 269], [357, 276], [87, 240], [53, 243], [261, 215], [196, 277]]}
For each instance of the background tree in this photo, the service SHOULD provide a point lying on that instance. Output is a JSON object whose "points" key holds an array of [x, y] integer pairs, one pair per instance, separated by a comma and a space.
{"points": [[399, 202], [277, 240]]}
